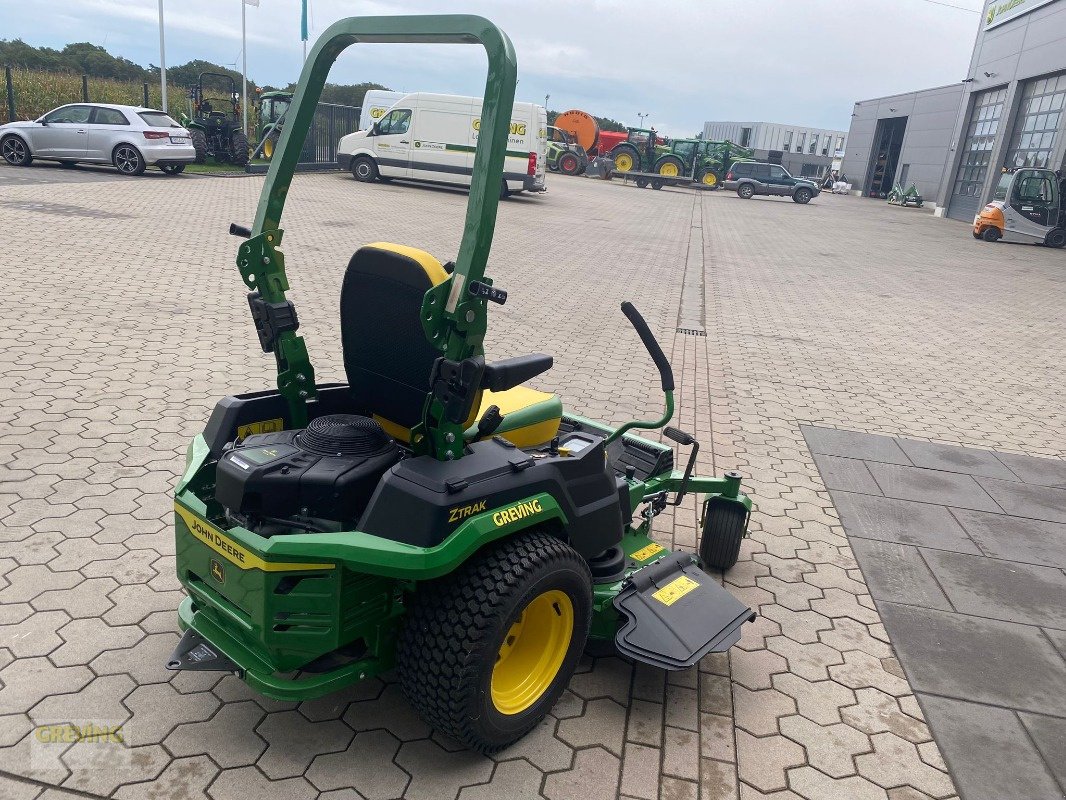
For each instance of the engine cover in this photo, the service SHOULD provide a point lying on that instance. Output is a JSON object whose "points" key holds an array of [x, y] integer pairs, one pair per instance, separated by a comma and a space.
{"points": [[327, 471]]}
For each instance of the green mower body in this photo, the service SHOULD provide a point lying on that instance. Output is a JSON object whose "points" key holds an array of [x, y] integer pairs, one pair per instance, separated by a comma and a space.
{"points": [[432, 514]]}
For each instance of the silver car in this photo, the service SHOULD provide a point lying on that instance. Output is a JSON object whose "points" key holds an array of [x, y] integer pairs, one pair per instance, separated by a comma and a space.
{"points": [[130, 137]]}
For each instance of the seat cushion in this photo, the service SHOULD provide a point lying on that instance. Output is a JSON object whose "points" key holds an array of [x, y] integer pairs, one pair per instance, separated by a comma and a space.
{"points": [[530, 417]]}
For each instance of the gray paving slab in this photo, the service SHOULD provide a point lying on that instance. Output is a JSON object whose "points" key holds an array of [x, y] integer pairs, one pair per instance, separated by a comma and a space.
{"points": [[1005, 590], [898, 573], [852, 444], [1049, 733], [1025, 500], [901, 521], [931, 486], [981, 660], [988, 751], [1058, 639], [1030, 541], [846, 474], [1033, 469], [953, 458]]}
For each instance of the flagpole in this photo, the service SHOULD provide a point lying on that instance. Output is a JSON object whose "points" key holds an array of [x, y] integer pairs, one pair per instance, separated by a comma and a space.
{"points": [[162, 59], [244, 66], [303, 26]]}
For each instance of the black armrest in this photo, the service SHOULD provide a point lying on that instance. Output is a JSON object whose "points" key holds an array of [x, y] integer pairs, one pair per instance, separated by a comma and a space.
{"points": [[511, 372]]}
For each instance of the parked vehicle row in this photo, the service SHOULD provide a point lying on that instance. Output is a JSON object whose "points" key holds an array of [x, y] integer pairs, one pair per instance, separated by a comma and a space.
{"points": [[132, 138]]}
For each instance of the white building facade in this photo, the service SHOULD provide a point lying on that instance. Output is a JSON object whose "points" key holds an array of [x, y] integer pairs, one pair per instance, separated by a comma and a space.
{"points": [[801, 149]]}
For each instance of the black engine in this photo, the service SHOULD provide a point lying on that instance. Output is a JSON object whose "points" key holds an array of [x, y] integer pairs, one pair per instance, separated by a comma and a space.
{"points": [[318, 479]]}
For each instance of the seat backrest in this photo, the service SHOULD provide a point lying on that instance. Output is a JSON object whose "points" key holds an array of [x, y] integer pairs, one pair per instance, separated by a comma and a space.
{"points": [[387, 357]]}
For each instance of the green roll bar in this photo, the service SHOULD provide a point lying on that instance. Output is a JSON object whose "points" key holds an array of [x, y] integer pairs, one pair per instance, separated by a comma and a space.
{"points": [[454, 318]]}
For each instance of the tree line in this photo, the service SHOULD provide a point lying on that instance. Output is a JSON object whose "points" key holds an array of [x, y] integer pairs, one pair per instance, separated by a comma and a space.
{"points": [[84, 58]]}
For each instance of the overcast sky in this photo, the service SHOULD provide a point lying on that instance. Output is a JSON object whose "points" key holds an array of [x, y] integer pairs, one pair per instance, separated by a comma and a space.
{"points": [[682, 62]]}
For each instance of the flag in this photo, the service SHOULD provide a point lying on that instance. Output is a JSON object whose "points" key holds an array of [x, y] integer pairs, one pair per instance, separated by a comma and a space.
{"points": [[303, 22], [252, 3]]}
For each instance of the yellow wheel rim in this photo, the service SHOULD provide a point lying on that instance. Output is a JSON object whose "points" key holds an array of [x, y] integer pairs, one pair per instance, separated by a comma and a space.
{"points": [[668, 170], [268, 149], [623, 162], [710, 179], [532, 652]]}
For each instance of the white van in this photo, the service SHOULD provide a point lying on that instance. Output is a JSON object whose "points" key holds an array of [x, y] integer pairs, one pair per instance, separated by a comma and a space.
{"points": [[432, 137], [375, 103]]}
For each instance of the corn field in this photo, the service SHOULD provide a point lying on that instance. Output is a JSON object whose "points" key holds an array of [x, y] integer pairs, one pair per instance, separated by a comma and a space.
{"points": [[39, 92]]}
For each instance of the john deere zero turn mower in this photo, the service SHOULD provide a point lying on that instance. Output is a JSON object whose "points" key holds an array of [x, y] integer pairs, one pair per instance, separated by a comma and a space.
{"points": [[432, 515]]}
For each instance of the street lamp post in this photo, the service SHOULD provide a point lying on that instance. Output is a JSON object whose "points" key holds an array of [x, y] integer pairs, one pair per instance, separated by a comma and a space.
{"points": [[162, 59]]}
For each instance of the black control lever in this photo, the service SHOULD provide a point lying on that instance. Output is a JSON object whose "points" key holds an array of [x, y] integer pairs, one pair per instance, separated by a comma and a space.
{"points": [[481, 289], [490, 421], [683, 439], [656, 352], [240, 230]]}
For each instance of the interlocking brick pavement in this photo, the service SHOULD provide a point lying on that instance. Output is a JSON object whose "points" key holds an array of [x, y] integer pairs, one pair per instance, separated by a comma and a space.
{"points": [[126, 320]]}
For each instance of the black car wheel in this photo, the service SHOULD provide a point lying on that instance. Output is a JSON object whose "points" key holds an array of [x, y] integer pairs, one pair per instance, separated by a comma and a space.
{"points": [[746, 191], [128, 160], [802, 196], [991, 234], [15, 151], [364, 169], [173, 169]]}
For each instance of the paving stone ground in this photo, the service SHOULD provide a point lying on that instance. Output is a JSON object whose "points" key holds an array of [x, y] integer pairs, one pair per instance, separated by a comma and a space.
{"points": [[126, 320]]}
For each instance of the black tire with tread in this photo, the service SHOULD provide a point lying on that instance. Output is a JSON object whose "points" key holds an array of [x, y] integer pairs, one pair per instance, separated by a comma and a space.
{"points": [[199, 144], [364, 169], [128, 149], [746, 191], [802, 196], [456, 625], [677, 162], [1056, 238], [991, 234], [173, 169], [239, 147], [568, 164], [723, 531]]}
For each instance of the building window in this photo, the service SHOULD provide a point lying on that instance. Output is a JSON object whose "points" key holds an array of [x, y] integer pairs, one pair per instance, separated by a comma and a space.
{"points": [[811, 171], [825, 145], [840, 144], [787, 144], [979, 141], [1033, 142], [802, 141], [813, 148], [745, 137]]}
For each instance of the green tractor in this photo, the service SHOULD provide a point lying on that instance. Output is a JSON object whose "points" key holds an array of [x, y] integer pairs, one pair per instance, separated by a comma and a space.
{"points": [[431, 514], [707, 162], [565, 155], [216, 131], [272, 108], [641, 152]]}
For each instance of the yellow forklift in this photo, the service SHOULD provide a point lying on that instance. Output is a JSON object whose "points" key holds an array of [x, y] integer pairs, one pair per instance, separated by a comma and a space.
{"points": [[1027, 206]]}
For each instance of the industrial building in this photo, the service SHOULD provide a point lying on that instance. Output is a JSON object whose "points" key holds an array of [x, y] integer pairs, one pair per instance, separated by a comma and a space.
{"points": [[800, 149], [952, 142]]}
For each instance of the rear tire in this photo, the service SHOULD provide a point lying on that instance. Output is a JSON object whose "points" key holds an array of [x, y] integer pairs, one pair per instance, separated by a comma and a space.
{"points": [[128, 160], [746, 191], [15, 151], [487, 650], [364, 169], [568, 164], [670, 167], [723, 531], [199, 144], [626, 159], [991, 234], [239, 148], [802, 196], [504, 191], [173, 169], [642, 183], [1056, 238], [270, 145]]}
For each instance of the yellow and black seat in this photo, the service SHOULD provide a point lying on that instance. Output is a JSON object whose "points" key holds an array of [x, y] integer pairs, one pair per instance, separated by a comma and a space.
{"points": [[388, 360]]}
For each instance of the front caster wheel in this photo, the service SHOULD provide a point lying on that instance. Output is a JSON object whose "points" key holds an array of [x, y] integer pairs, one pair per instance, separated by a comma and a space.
{"points": [[487, 650]]}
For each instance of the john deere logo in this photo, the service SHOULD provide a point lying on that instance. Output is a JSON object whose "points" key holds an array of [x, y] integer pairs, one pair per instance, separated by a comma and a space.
{"points": [[217, 572]]}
